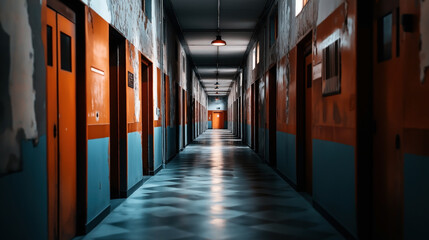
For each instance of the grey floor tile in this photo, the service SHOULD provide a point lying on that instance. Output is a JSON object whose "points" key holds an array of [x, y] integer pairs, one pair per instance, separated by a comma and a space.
{"points": [[215, 189]]}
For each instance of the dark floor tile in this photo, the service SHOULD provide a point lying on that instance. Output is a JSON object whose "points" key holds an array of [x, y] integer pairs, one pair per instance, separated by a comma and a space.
{"points": [[215, 189]]}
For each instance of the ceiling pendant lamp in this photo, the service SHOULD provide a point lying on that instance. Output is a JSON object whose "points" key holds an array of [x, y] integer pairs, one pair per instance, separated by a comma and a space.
{"points": [[217, 83], [217, 87], [218, 41]]}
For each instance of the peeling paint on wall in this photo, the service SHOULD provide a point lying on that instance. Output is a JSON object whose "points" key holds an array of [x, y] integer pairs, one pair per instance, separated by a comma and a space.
{"points": [[135, 63], [128, 18], [20, 83], [424, 39]]}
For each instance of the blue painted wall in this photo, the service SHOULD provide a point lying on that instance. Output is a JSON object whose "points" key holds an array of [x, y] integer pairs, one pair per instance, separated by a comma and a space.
{"points": [[220, 104], [180, 136], [286, 155], [171, 142], [210, 124], [248, 134], [334, 181], [157, 148], [186, 134], [416, 196], [267, 145], [150, 148], [98, 197], [261, 142], [24, 196], [135, 161]]}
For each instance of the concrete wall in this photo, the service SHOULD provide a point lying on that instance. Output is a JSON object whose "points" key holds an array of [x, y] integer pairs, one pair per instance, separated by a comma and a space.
{"points": [[219, 104], [23, 175]]}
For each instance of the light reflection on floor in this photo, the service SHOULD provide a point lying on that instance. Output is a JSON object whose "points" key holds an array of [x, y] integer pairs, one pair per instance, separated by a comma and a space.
{"points": [[215, 189]]}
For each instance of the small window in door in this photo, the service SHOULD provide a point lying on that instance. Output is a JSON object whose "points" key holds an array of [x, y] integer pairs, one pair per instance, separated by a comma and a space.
{"points": [[384, 38], [66, 61], [49, 42]]}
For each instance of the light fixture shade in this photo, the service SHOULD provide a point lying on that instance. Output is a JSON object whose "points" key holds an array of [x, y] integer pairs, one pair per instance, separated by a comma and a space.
{"points": [[216, 87], [217, 83], [218, 41]]}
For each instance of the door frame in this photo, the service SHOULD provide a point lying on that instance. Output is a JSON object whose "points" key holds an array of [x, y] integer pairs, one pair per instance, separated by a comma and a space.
{"points": [[272, 115], [304, 49], [147, 120], [118, 121]]}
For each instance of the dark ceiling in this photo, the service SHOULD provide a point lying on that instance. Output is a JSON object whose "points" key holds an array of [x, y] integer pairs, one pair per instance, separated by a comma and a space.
{"points": [[198, 21]]}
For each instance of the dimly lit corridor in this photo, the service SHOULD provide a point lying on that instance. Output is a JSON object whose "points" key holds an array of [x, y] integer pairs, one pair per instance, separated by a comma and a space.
{"points": [[217, 188], [214, 119]]}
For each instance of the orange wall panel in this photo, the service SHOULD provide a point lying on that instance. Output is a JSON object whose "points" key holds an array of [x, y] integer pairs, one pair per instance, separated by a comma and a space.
{"points": [[287, 120], [334, 117], [134, 95], [97, 69]]}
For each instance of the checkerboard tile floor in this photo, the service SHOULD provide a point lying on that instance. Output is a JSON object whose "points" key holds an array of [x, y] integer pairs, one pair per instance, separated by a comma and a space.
{"points": [[215, 189]]}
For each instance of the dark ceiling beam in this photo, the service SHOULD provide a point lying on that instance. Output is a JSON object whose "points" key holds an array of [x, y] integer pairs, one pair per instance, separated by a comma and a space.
{"points": [[243, 30]]}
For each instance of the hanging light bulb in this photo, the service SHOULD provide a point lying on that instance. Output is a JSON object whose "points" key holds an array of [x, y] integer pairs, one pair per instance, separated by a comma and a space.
{"points": [[218, 41]]}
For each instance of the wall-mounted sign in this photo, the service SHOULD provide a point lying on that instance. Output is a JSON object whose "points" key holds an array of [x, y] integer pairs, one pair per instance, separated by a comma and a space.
{"points": [[130, 80]]}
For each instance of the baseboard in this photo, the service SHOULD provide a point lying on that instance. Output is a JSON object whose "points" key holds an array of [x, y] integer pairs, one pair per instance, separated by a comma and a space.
{"points": [[92, 224], [284, 177], [157, 170], [333, 221], [171, 158], [133, 189]]}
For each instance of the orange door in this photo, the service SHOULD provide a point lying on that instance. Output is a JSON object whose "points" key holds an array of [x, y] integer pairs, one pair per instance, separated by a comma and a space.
{"points": [[388, 115], [61, 115], [218, 120], [52, 121], [308, 73]]}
